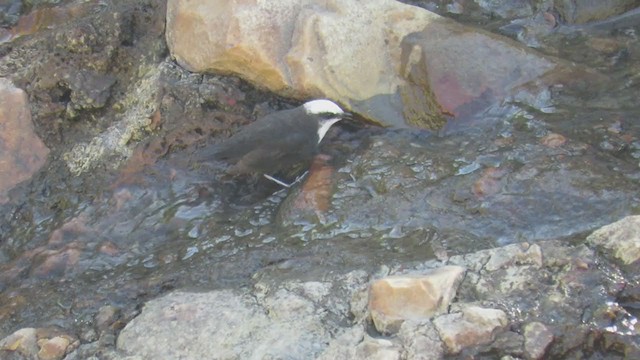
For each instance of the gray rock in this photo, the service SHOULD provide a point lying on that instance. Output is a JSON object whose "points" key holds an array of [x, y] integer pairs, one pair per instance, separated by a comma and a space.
{"points": [[225, 324], [473, 326], [537, 338]]}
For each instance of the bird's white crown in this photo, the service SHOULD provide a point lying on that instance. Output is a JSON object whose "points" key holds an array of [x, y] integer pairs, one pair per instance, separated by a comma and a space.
{"points": [[322, 106]]}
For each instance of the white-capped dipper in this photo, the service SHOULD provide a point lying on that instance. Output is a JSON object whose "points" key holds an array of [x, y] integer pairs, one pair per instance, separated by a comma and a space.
{"points": [[280, 141]]}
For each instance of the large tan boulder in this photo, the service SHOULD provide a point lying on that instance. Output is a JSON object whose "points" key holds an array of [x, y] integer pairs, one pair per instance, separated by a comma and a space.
{"points": [[393, 63]]}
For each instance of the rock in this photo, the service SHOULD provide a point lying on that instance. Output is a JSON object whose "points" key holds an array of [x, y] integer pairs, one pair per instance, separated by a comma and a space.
{"points": [[425, 66], [395, 299], [508, 342], [343, 346], [23, 341], [421, 341], [106, 316], [536, 340], [514, 254], [89, 90], [506, 9], [620, 240], [22, 153], [355, 344], [377, 349], [584, 11], [54, 348], [230, 324], [473, 326], [10, 13]]}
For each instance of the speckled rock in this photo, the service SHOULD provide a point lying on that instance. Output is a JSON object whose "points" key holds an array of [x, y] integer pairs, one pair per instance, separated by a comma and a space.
{"points": [[227, 323]]}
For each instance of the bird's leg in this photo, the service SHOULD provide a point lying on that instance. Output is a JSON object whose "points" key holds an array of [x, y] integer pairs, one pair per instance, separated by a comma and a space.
{"points": [[282, 183], [279, 182]]}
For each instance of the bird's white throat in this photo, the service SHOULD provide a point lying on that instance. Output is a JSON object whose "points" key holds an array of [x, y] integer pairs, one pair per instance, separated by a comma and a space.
{"points": [[324, 127], [323, 106]]}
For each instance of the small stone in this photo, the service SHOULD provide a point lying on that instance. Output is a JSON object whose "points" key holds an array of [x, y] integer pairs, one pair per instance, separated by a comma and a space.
{"points": [[23, 341], [106, 316], [514, 254], [397, 298], [54, 348], [620, 240], [420, 341], [537, 338], [377, 349], [553, 140], [509, 342], [473, 326]]}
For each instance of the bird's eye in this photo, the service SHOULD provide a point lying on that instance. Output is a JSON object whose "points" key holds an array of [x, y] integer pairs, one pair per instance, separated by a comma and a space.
{"points": [[327, 115]]}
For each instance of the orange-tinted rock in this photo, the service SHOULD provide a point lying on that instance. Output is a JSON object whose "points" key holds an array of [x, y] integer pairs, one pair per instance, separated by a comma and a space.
{"points": [[22, 153], [54, 348], [489, 182], [57, 262], [44, 18], [553, 140], [317, 189], [394, 299]]}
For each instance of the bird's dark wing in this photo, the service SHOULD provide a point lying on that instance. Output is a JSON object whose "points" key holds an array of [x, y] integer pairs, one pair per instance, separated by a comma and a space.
{"points": [[256, 135], [292, 149]]}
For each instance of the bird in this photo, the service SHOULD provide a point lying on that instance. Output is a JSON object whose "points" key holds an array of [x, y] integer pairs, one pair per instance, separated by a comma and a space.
{"points": [[280, 141]]}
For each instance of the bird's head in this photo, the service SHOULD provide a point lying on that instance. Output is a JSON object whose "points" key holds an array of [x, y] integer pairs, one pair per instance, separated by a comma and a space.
{"points": [[327, 113]]}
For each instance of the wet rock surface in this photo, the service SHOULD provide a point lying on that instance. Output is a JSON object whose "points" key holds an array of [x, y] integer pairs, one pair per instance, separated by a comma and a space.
{"points": [[22, 152], [124, 213]]}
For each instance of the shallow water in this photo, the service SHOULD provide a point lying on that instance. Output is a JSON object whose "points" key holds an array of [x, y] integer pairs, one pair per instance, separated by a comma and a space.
{"points": [[510, 174]]}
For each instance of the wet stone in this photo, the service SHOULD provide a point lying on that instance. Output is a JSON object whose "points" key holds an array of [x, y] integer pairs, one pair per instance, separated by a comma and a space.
{"points": [[22, 153], [89, 90], [537, 338], [508, 342], [54, 348], [580, 12], [514, 254], [106, 316]]}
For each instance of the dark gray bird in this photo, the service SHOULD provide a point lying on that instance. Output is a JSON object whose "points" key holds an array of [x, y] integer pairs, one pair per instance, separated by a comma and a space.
{"points": [[279, 141]]}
